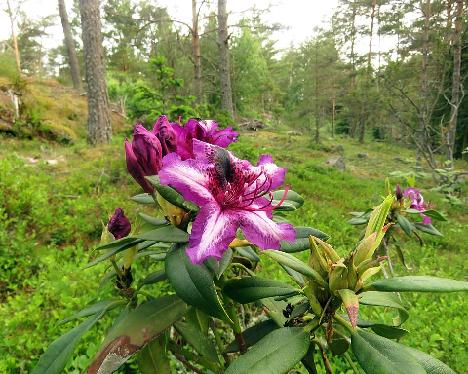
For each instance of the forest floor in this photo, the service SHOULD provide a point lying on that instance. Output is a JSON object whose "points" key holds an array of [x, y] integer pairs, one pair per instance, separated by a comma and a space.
{"points": [[54, 198]]}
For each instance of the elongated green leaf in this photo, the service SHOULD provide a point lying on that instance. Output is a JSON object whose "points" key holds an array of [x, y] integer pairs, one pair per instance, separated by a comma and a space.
{"points": [[171, 195], [292, 200], [386, 300], [435, 215], [302, 239], [143, 198], [248, 289], [296, 276], [199, 341], [154, 221], [387, 331], [154, 359], [165, 234], [118, 243], [55, 358], [339, 343], [292, 262], [248, 253], [253, 334], [154, 277], [135, 330], [193, 283], [277, 352], [101, 306], [428, 229], [405, 225], [431, 364], [417, 284], [109, 253], [376, 354]]}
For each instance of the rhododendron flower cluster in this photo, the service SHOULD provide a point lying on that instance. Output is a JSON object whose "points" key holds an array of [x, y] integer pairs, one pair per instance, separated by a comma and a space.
{"points": [[230, 192], [417, 202]]}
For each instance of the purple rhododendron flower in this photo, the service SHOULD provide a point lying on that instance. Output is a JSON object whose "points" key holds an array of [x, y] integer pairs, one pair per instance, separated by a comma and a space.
{"points": [[144, 156], [119, 225], [166, 134], [417, 202], [231, 195], [398, 192], [204, 130]]}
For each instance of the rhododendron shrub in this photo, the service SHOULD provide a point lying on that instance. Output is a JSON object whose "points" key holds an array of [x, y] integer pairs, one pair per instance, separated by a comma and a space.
{"points": [[210, 221]]}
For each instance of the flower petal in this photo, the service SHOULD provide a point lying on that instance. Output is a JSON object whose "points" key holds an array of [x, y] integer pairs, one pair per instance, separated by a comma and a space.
{"points": [[212, 232], [261, 230], [265, 162], [187, 177], [135, 169]]}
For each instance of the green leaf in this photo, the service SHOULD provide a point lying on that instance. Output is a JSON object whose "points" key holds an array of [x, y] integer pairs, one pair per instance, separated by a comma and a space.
{"points": [[153, 358], [277, 352], [199, 341], [435, 215], [253, 334], [101, 306], [339, 343], [154, 221], [171, 195], [296, 276], [417, 284], [143, 198], [360, 218], [119, 243], [431, 364], [165, 234], [135, 330], [109, 253], [249, 289], [390, 332], [302, 239], [428, 229], [248, 253], [193, 283], [295, 264], [386, 300], [405, 225], [379, 355], [154, 277], [292, 200], [55, 358]]}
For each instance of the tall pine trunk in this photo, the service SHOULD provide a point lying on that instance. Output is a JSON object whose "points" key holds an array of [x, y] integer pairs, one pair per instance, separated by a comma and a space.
{"points": [[455, 99], [99, 125], [224, 69], [198, 85], [14, 37], [70, 46]]}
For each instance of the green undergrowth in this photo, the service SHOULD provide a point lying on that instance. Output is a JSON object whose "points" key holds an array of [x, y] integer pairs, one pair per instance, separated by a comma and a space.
{"points": [[50, 218]]}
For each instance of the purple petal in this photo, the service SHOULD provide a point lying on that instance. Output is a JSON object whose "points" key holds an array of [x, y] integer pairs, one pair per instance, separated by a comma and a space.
{"points": [[147, 149], [426, 219], [276, 173], [188, 177], [135, 169], [166, 134], [224, 137], [119, 225], [261, 230], [212, 232]]}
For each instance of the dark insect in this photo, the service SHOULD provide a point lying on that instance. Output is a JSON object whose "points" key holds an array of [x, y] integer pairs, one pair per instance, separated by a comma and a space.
{"points": [[223, 167], [287, 311]]}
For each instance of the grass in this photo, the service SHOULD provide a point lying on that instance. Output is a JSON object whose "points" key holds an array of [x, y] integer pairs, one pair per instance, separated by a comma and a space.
{"points": [[52, 217]]}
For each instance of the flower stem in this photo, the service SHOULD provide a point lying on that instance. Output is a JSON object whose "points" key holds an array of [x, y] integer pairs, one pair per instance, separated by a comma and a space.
{"points": [[116, 268], [344, 323], [236, 328], [351, 363]]}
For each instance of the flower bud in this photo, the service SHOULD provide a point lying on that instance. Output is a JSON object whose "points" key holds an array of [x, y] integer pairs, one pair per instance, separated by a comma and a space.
{"points": [[398, 192], [365, 249], [166, 135], [144, 156], [119, 225], [317, 260], [338, 277]]}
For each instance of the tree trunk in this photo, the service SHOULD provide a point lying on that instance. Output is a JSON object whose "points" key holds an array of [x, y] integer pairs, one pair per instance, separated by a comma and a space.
{"points": [[354, 123], [316, 93], [14, 37], [224, 70], [99, 125], [70, 46], [455, 99], [198, 85]]}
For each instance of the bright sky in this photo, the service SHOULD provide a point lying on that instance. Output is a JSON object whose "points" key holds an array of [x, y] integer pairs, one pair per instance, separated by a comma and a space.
{"points": [[300, 17]]}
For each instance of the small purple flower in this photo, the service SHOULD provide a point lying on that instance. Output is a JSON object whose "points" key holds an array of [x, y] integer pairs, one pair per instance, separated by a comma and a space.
{"points": [[417, 202], [166, 134], [119, 225], [231, 195], [144, 156], [204, 130]]}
